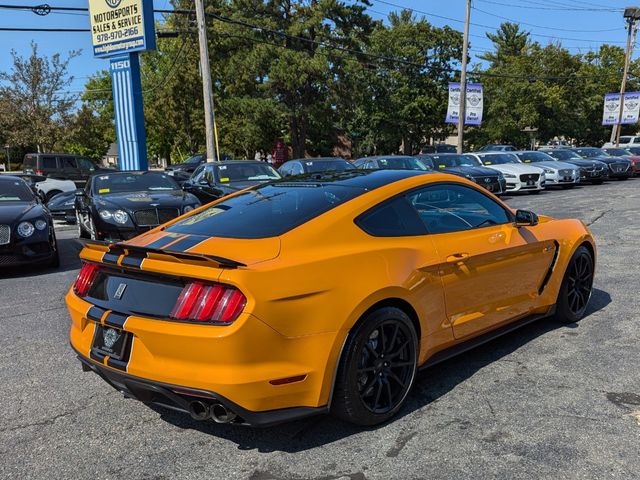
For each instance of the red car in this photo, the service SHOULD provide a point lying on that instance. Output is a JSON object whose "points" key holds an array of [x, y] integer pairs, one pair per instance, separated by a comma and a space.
{"points": [[629, 154]]}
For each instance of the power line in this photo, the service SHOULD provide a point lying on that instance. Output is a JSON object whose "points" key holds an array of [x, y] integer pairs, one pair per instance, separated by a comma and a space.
{"points": [[491, 27], [544, 6], [541, 26]]}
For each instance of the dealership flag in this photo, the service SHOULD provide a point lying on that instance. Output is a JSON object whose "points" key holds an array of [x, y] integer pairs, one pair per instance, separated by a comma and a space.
{"points": [[630, 111], [473, 110]]}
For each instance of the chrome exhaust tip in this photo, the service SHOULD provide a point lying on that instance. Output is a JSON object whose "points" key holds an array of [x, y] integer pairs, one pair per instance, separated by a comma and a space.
{"points": [[220, 414], [199, 410]]}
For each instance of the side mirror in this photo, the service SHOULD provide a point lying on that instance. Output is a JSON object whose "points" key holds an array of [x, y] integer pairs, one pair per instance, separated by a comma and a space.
{"points": [[525, 218], [79, 192]]}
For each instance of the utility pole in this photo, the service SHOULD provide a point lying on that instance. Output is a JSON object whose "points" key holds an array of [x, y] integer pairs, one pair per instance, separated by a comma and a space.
{"points": [[463, 80], [207, 87], [631, 14]]}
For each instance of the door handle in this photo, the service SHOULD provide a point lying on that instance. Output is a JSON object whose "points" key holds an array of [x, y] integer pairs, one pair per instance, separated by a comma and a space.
{"points": [[457, 257]]}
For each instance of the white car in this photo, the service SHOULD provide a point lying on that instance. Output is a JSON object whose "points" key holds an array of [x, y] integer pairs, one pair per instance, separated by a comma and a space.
{"points": [[47, 187], [52, 186], [556, 173], [520, 177], [625, 141]]}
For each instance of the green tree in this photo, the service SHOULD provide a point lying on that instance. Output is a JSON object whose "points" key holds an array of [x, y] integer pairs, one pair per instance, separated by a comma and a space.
{"points": [[34, 106], [403, 103]]}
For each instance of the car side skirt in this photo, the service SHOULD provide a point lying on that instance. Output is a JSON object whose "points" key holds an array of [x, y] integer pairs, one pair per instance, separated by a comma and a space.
{"points": [[474, 342]]}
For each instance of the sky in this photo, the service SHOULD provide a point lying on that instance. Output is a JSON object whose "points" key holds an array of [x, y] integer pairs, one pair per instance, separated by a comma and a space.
{"points": [[579, 25]]}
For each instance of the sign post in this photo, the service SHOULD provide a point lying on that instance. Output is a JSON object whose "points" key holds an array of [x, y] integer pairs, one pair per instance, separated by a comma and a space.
{"points": [[120, 29]]}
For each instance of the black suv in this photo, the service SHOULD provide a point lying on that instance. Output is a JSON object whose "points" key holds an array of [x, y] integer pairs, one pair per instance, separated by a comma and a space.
{"points": [[61, 165]]}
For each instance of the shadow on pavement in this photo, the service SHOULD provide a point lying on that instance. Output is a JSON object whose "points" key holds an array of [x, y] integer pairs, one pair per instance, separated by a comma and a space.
{"points": [[431, 384], [69, 249]]}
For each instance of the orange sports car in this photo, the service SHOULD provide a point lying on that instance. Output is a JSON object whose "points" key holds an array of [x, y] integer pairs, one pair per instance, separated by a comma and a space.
{"points": [[322, 293]]}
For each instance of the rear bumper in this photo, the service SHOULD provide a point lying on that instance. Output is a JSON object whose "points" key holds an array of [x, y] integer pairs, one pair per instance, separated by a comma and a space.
{"points": [[178, 398], [234, 363]]}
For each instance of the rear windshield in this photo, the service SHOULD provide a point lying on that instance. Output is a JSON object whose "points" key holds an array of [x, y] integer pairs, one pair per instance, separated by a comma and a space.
{"points": [[266, 211]]}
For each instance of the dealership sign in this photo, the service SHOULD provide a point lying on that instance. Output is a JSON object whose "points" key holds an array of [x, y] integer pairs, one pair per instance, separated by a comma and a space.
{"points": [[474, 104], [630, 110], [121, 26]]}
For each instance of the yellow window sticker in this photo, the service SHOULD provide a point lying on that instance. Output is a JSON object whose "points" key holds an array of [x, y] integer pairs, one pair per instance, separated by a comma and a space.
{"points": [[442, 166], [224, 179], [487, 163], [104, 190]]}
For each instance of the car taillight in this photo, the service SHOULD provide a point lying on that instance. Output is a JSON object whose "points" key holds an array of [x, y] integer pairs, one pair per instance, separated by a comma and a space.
{"points": [[201, 302], [39, 171], [85, 279]]}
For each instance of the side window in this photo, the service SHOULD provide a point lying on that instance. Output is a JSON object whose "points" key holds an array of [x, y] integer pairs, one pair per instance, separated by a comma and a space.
{"points": [[394, 218], [195, 176], [297, 169], [448, 208], [49, 162], [85, 164], [208, 176], [69, 162]]}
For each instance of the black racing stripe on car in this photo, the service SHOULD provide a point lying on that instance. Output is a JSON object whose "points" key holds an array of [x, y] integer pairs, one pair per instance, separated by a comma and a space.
{"points": [[186, 243], [95, 313], [97, 356], [132, 261], [166, 240], [110, 258], [119, 364], [116, 319]]}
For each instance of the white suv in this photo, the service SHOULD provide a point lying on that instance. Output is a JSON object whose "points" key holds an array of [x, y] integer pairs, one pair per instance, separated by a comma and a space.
{"points": [[625, 141]]}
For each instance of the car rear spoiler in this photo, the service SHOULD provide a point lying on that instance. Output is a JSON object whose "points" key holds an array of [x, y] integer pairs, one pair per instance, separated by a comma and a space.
{"points": [[134, 251]]}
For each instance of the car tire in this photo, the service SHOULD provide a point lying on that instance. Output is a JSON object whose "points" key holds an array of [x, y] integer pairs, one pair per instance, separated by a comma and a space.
{"points": [[369, 388], [577, 285], [82, 233], [50, 194]]}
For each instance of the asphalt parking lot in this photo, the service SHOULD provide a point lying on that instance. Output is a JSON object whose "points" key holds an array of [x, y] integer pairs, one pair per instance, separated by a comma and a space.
{"points": [[547, 401]]}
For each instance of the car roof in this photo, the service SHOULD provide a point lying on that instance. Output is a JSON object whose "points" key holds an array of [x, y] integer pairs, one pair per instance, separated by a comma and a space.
{"points": [[317, 159], [236, 162], [9, 178], [364, 179], [378, 157]]}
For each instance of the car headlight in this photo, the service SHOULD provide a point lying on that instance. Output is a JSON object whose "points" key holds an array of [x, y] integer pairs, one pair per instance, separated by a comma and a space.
{"points": [[105, 214], [25, 229], [548, 170], [509, 175], [40, 224], [120, 216]]}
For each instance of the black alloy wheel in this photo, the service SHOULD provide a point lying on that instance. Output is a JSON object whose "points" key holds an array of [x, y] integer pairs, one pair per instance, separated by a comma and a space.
{"points": [[378, 368], [576, 288]]}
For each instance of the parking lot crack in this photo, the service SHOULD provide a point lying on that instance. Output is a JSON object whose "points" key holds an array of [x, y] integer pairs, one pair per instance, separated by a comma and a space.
{"points": [[598, 217]]}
